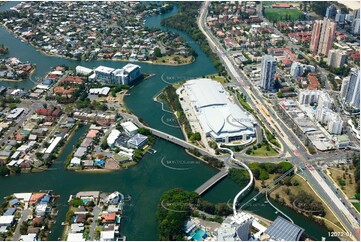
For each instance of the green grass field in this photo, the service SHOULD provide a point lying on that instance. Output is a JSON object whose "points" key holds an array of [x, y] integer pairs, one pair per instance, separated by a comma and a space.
{"points": [[267, 3], [218, 78], [264, 152], [274, 14]]}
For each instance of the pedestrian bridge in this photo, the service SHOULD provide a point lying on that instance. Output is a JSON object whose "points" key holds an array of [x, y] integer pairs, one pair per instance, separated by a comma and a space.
{"points": [[213, 180]]}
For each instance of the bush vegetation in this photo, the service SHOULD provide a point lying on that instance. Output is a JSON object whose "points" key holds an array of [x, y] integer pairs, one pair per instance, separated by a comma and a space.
{"points": [[261, 171], [306, 202], [356, 164], [171, 97], [239, 176], [185, 20], [177, 206]]}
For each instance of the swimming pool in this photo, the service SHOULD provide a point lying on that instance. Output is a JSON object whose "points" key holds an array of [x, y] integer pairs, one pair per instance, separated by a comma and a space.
{"points": [[199, 235]]}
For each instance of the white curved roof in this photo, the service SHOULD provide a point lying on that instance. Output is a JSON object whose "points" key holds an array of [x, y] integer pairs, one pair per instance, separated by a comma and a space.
{"points": [[215, 112], [205, 92], [213, 119]]}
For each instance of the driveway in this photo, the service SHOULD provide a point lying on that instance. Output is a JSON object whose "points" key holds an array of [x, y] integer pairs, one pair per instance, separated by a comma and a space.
{"points": [[24, 216], [93, 226]]}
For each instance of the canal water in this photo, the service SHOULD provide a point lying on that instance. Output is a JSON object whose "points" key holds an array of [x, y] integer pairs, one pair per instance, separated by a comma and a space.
{"points": [[155, 173]]}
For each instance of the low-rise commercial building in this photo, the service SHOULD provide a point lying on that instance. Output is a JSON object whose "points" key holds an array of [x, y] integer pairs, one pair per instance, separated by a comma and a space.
{"points": [[15, 113], [342, 141], [307, 122]]}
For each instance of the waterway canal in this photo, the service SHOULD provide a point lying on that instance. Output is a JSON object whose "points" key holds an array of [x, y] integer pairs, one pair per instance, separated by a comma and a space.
{"points": [[148, 180]]}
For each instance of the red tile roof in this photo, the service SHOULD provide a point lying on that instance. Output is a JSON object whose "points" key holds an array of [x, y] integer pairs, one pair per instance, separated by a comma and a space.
{"points": [[35, 197], [73, 79], [314, 83], [63, 91], [48, 112], [108, 217], [92, 133], [281, 5]]}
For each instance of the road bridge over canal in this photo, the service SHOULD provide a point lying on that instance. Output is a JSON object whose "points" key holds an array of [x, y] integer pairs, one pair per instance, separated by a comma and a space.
{"points": [[212, 181]]}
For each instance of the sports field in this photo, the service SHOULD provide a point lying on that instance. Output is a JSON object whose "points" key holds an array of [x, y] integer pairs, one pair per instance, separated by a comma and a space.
{"points": [[276, 14]]}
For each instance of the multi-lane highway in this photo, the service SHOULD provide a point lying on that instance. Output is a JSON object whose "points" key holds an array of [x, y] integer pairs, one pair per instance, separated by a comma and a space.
{"points": [[339, 194]]}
